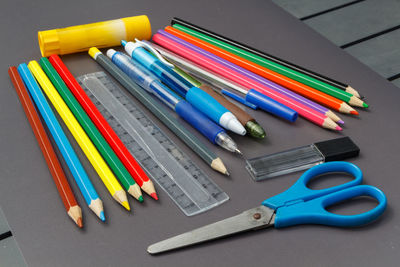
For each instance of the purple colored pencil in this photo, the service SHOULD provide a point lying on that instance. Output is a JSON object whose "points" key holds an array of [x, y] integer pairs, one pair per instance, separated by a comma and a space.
{"points": [[255, 77]]}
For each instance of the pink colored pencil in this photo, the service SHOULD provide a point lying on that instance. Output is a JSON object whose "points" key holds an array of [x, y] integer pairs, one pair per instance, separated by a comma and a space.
{"points": [[304, 111]]}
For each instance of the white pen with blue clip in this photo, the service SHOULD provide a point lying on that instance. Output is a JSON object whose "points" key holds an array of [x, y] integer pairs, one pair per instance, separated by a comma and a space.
{"points": [[153, 85]]}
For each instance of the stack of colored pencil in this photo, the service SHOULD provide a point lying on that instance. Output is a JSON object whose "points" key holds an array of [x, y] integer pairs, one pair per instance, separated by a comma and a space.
{"points": [[240, 68], [108, 155]]}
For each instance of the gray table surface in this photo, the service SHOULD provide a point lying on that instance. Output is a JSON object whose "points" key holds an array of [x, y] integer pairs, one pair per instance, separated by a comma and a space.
{"points": [[48, 238]]}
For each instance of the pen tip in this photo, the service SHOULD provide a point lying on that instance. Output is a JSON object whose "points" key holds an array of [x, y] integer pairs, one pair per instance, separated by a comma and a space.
{"points": [[123, 42], [239, 152]]}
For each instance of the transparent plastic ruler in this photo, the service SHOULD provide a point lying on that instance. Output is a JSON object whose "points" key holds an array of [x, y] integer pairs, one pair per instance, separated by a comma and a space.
{"points": [[184, 182]]}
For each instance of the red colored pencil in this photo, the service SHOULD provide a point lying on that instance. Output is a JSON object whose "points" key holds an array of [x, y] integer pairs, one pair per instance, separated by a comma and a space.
{"points": [[63, 187], [112, 138]]}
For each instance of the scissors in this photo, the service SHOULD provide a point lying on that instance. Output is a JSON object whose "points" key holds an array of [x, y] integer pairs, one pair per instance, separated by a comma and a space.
{"points": [[297, 205]]}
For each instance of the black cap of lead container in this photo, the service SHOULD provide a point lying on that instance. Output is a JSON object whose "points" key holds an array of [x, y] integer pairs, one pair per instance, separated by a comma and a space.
{"points": [[338, 149]]}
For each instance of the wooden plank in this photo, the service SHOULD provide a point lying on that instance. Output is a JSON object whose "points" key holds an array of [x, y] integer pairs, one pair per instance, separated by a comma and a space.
{"points": [[356, 21], [303, 8], [4, 227], [10, 254], [382, 53]]}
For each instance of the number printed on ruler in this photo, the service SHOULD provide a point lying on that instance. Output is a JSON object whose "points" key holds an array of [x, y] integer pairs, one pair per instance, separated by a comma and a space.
{"points": [[185, 183]]}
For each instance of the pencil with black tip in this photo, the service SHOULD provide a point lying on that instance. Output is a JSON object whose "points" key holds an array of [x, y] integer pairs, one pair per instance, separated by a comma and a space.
{"points": [[67, 196]]}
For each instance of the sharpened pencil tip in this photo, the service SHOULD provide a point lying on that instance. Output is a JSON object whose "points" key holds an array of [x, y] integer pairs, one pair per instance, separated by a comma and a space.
{"points": [[79, 222], [140, 199], [340, 121], [102, 216], [154, 195], [239, 152], [354, 112], [227, 173], [338, 128], [365, 105], [126, 205]]}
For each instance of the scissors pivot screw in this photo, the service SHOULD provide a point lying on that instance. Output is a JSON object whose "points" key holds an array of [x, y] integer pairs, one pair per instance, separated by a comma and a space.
{"points": [[257, 216]]}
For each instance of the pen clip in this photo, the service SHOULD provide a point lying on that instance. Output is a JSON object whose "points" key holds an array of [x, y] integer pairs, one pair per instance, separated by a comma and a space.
{"points": [[154, 51], [238, 98]]}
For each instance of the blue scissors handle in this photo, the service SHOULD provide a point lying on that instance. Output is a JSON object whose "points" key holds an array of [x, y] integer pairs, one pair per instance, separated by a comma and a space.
{"points": [[299, 192], [314, 212]]}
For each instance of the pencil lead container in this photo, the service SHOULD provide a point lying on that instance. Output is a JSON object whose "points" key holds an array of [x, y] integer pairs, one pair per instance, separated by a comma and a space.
{"points": [[100, 34], [301, 158]]}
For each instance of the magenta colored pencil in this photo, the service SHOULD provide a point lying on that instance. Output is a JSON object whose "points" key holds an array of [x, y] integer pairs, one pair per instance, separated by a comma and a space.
{"points": [[251, 75], [194, 55]]}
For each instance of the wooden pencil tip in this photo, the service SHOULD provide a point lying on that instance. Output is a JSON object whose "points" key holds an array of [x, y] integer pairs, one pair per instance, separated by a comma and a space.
{"points": [[352, 91], [134, 190], [354, 112], [126, 205], [79, 222], [97, 207], [121, 198], [75, 212], [154, 195], [219, 166]]}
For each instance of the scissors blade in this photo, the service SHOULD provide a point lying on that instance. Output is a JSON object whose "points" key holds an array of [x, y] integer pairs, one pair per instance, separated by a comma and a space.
{"points": [[251, 219]]}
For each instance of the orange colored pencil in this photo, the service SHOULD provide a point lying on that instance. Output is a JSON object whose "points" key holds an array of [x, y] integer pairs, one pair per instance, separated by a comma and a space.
{"points": [[291, 84]]}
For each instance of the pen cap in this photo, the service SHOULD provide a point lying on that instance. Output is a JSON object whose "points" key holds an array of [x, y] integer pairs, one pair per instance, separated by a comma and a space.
{"points": [[338, 149], [100, 34]]}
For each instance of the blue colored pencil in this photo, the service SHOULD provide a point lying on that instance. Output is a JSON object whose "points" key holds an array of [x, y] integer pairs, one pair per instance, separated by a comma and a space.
{"points": [[85, 185]]}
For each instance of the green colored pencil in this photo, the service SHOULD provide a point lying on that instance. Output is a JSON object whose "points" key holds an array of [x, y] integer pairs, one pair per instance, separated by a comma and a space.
{"points": [[104, 148], [290, 73]]}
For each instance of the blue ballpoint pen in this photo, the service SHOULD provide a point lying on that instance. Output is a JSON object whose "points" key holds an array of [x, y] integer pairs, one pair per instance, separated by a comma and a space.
{"points": [[195, 96], [184, 109]]}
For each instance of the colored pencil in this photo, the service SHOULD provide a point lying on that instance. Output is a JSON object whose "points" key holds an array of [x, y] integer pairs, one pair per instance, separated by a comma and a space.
{"points": [[259, 56], [343, 107], [177, 128], [85, 185], [64, 189], [329, 98], [306, 112], [102, 125], [221, 82], [80, 136], [98, 140]]}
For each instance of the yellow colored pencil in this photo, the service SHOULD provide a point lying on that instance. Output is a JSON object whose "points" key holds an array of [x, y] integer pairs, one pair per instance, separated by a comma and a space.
{"points": [[80, 136]]}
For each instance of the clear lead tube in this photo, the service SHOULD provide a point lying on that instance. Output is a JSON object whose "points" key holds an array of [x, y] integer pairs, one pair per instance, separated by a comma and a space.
{"points": [[285, 162]]}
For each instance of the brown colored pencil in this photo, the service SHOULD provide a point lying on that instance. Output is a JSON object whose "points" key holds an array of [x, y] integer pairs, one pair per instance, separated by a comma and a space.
{"points": [[63, 187]]}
